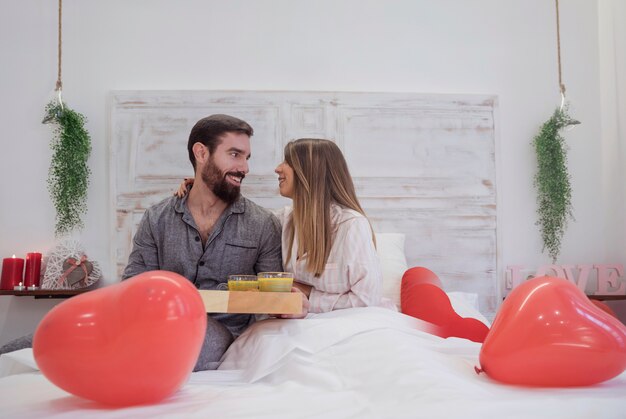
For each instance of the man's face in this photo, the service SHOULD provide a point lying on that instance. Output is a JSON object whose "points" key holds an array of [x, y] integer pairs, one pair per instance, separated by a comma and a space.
{"points": [[227, 166]]}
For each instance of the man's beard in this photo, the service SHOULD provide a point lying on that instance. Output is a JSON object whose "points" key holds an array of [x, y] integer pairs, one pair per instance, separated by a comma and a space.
{"points": [[217, 183]]}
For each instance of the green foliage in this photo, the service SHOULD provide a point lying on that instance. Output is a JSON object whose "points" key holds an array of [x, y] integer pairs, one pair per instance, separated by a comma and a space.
{"points": [[552, 181], [68, 177]]}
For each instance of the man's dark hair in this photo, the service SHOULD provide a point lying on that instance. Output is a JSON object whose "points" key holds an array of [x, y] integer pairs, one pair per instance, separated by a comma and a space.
{"points": [[208, 131]]}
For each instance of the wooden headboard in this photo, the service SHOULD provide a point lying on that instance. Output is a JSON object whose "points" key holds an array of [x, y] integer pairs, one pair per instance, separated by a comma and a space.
{"points": [[424, 165]]}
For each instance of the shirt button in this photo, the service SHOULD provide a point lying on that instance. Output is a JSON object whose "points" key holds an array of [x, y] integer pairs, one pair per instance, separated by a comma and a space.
{"points": [[201, 263], [197, 238]]}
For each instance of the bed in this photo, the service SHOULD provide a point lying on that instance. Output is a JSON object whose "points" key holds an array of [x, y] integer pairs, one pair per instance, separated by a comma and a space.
{"points": [[361, 362], [429, 189]]}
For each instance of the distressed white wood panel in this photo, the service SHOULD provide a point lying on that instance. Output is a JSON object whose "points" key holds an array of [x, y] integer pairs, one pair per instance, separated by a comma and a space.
{"points": [[424, 165], [417, 144]]}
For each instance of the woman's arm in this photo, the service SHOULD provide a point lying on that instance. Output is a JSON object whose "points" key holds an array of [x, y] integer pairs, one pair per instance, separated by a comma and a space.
{"points": [[306, 289], [182, 189], [356, 267]]}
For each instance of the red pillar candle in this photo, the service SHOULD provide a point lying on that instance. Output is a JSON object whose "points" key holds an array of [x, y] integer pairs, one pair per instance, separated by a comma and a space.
{"points": [[33, 269], [12, 270]]}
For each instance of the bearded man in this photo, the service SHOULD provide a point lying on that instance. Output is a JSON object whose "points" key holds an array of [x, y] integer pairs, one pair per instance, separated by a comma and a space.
{"points": [[212, 231]]}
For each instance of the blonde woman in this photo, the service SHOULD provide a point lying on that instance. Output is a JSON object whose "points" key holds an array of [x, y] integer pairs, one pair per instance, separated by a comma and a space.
{"points": [[327, 241]]}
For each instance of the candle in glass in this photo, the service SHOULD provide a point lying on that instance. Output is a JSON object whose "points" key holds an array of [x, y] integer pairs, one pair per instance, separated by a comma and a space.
{"points": [[12, 270], [33, 270]]}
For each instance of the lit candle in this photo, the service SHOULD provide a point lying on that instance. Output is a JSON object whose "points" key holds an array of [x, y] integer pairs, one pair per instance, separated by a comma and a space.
{"points": [[19, 287], [12, 270], [33, 270]]}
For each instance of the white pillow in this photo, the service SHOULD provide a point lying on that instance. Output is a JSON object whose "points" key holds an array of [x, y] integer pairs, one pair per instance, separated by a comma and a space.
{"points": [[466, 305], [390, 249], [17, 362]]}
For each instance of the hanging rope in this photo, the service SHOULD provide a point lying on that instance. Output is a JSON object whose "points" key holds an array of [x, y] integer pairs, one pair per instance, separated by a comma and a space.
{"points": [[59, 82], [558, 45]]}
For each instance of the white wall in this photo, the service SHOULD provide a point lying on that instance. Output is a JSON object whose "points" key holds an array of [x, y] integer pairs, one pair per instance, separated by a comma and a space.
{"points": [[507, 48], [612, 43]]}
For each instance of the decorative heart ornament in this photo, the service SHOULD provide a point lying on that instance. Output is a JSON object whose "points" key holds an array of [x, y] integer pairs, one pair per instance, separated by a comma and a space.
{"points": [[422, 298], [548, 334], [76, 272], [135, 342]]}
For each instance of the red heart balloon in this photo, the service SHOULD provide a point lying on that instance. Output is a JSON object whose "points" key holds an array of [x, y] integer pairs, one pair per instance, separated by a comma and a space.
{"points": [[135, 342], [420, 275], [422, 298], [602, 306], [547, 333]]}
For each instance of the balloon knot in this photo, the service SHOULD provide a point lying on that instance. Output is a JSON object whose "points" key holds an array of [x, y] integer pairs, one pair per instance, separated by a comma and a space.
{"points": [[478, 370]]}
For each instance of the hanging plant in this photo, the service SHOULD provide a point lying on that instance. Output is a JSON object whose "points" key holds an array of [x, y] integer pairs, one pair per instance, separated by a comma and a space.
{"points": [[552, 181], [68, 177]]}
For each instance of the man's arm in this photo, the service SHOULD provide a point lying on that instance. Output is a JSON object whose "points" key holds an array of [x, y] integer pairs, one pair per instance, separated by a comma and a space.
{"points": [[145, 256]]}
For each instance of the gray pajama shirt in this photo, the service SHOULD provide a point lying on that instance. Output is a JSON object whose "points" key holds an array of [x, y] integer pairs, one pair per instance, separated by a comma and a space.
{"points": [[246, 239]]}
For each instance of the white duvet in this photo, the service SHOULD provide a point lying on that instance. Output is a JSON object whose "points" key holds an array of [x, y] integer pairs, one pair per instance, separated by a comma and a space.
{"points": [[356, 363]]}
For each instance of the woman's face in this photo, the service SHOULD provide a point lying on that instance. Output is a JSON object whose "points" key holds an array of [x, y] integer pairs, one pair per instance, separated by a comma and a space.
{"points": [[285, 179]]}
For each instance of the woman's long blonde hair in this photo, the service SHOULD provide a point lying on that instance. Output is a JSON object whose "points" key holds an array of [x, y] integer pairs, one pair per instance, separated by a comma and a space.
{"points": [[321, 177]]}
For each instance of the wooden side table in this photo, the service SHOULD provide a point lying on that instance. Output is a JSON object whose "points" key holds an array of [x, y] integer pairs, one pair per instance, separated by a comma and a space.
{"points": [[607, 297], [45, 293]]}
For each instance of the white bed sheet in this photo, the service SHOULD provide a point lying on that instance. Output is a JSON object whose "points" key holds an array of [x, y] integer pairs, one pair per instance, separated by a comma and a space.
{"points": [[356, 363]]}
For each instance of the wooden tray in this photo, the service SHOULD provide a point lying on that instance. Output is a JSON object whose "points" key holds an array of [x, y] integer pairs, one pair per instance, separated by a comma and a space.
{"points": [[251, 302]]}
